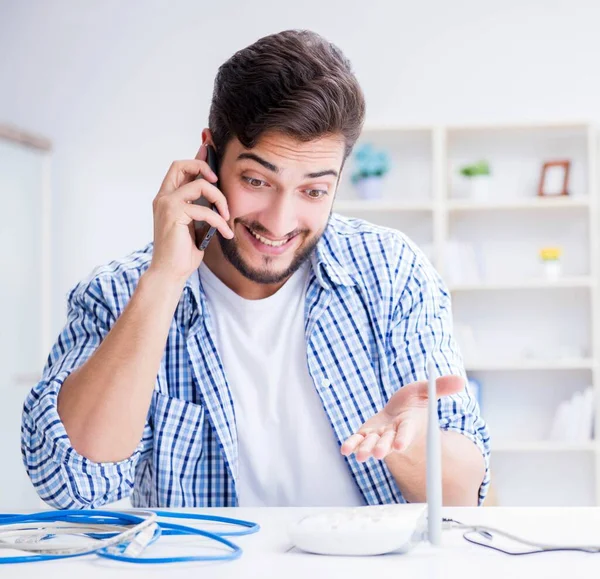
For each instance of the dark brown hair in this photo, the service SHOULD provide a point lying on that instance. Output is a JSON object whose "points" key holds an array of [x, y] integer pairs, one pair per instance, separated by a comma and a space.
{"points": [[294, 82]]}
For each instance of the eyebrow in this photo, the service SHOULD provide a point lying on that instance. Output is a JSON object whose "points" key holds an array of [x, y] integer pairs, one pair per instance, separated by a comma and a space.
{"points": [[275, 169]]}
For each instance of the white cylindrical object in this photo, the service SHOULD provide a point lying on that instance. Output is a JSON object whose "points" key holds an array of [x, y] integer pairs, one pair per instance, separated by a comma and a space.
{"points": [[553, 269], [370, 188], [434, 464], [479, 187]]}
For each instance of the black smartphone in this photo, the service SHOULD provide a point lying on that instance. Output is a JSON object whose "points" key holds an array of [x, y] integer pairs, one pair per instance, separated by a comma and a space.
{"points": [[204, 231]]}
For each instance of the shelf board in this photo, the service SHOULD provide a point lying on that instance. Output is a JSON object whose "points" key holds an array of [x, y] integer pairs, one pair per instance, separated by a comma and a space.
{"points": [[544, 446], [380, 206], [519, 126], [358, 205], [577, 124], [516, 365], [534, 283], [525, 203], [371, 128]]}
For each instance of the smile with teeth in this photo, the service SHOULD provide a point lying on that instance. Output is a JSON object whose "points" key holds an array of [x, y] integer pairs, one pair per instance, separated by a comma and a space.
{"points": [[268, 241]]}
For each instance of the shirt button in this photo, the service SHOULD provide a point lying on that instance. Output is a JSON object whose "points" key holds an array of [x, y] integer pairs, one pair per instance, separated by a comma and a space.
{"points": [[325, 383]]}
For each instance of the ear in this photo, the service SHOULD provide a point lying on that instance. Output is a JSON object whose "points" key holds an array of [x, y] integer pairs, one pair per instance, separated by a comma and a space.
{"points": [[206, 140]]}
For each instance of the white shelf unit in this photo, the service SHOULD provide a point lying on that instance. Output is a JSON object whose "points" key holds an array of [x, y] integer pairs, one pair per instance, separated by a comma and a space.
{"points": [[536, 340]]}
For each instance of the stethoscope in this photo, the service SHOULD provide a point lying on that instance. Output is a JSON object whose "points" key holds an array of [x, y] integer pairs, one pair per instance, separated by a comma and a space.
{"points": [[121, 536]]}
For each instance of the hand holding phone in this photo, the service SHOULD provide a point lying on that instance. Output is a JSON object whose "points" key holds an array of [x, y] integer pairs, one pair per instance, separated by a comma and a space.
{"points": [[175, 252]]}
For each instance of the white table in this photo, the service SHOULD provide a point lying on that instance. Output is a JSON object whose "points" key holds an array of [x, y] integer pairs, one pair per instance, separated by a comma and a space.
{"points": [[268, 555]]}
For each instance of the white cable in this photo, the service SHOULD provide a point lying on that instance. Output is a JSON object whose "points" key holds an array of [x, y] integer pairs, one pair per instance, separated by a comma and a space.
{"points": [[31, 539], [126, 535]]}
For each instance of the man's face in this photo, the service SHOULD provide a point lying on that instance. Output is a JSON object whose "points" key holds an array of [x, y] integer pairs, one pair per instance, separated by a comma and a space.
{"points": [[280, 194]]}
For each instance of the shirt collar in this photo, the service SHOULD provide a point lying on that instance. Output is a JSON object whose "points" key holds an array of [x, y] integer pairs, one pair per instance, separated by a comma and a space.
{"points": [[328, 271], [326, 265]]}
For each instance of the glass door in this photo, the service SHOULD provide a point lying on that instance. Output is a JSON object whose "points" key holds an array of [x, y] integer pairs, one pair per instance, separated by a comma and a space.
{"points": [[24, 192]]}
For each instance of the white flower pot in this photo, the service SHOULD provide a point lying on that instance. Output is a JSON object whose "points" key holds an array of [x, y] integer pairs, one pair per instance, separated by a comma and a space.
{"points": [[479, 187], [369, 188], [552, 269]]}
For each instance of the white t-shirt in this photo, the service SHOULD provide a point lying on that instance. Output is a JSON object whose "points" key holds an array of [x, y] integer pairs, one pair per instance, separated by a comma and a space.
{"points": [[288, 452]]}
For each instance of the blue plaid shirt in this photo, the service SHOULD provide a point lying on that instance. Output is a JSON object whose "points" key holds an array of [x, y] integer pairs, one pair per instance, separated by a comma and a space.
{"points": [[376, 310]]}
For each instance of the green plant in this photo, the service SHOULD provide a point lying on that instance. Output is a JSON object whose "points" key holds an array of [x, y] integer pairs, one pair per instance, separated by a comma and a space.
{"points": [[479, 168], [369, 162]]}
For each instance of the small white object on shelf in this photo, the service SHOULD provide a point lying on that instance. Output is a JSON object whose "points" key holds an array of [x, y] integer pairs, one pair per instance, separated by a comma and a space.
{"points": [[463, 264], [553, 269], [479, 188], [573, 419], [369, 188]]}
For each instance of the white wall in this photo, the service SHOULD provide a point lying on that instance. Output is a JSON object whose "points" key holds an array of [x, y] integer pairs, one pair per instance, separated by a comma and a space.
{"points": [[123, 88]]}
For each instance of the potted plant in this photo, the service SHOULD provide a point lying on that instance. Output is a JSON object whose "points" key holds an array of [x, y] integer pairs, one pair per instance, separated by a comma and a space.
{"points": [[478, 175], [370, 167]]}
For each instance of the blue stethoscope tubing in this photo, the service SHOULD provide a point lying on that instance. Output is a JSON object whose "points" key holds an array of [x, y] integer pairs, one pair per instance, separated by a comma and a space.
{"points": [[102, 517]]}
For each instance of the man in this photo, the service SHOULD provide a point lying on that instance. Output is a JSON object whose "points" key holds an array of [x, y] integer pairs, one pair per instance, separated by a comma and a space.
{"points": [[284, 365]]}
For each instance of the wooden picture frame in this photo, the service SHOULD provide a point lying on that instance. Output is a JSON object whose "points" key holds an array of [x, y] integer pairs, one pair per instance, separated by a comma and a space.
{"points": [[554, 180]]}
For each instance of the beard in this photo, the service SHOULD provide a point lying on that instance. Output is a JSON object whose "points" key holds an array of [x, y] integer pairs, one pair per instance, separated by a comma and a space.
{"points": [[265, 275]]}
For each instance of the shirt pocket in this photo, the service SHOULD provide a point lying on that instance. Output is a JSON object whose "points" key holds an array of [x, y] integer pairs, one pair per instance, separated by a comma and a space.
{"points": [[178, 449]]}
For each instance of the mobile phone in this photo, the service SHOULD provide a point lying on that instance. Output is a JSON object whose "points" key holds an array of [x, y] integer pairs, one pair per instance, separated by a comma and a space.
{"points": [[204, 231]]}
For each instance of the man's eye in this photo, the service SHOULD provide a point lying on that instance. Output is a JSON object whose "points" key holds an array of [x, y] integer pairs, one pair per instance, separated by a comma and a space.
{"points": [[316, 193], [254, 182]]}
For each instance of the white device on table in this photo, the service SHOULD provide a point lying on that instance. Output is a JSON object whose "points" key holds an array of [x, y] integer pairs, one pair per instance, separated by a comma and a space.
{"points": [[380, 529]]}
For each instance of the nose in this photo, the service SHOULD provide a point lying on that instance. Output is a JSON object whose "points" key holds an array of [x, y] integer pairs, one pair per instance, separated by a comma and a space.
{"points": [[280, 217]]}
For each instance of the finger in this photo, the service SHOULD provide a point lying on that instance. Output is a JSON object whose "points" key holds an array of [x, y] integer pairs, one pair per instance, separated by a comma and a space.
{"points": [[197, 213], [351, 444], [365, 449], [384, 445], [182, 172], [404, 436], [196, 189]]}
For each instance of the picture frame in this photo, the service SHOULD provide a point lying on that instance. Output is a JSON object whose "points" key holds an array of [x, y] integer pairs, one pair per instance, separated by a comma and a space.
{"points": [[554, 180]]}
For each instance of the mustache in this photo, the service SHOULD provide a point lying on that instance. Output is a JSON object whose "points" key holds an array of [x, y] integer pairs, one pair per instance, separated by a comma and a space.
{"points": [[261, 230]]}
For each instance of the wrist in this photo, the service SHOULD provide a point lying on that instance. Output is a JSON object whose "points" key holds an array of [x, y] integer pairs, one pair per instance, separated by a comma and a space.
{"points": [[166, 285], [415, 456]]}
